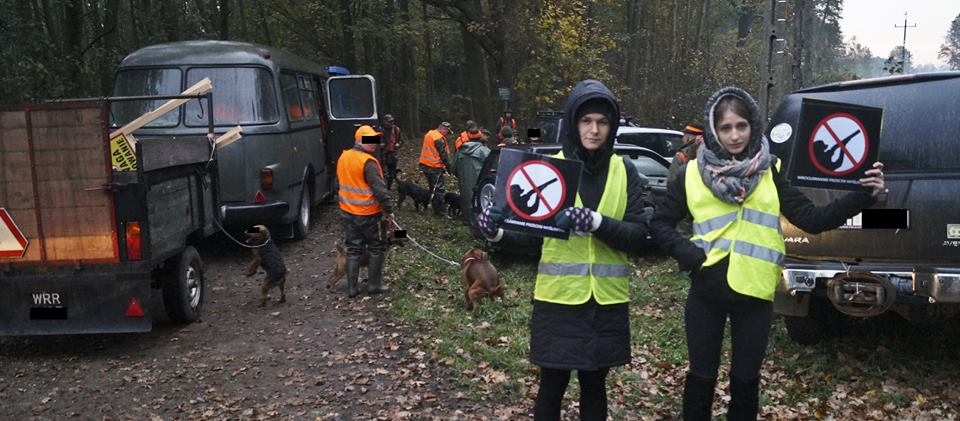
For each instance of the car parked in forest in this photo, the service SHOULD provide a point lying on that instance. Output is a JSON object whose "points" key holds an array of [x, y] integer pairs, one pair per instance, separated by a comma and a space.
{"points": [[650, 165], [662, 141]]}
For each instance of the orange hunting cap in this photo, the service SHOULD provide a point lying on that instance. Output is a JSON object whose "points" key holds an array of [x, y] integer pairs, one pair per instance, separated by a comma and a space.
{"points": [[693, 129], [365, 130]]}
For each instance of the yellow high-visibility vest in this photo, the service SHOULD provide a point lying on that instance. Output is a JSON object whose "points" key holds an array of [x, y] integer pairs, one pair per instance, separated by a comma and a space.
{"points": [[749, 233], [573, 270]]}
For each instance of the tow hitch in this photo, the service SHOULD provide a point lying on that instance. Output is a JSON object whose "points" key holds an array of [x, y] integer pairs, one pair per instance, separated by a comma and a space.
{"points": [[861, 294]]}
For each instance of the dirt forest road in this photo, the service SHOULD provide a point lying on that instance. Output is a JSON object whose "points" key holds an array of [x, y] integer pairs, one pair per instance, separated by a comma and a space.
{"points": [[318, 356]]}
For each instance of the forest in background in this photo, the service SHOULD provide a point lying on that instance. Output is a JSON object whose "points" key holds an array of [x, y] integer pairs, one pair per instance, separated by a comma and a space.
{"points": [[445, 59]]}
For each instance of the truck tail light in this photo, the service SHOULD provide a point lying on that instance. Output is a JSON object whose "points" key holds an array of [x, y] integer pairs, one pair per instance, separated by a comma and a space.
{"points": [[133, 241], [134, 309], [266, 179]]}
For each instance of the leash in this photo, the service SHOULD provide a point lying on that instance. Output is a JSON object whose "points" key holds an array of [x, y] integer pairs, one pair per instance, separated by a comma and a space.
{"points": [[412, 240], [238, 242]]}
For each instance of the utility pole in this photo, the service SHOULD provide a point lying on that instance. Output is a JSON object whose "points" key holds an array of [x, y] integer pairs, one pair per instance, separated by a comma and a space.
{"points": [[903, 49]]}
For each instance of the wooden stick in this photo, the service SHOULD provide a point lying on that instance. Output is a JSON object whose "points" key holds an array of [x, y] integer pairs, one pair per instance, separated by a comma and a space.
{"points": [[229, 137], [200, 87]]}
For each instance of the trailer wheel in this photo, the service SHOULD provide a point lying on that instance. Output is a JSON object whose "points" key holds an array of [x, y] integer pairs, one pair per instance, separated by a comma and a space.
{"points": [[301, 226], [822, 321], [184, 287]]}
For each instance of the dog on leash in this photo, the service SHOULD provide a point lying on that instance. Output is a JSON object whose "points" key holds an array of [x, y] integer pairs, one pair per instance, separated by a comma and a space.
{"points": [[480, 278], [267, 255], [405, 188], [341, 264], [452, 200]]}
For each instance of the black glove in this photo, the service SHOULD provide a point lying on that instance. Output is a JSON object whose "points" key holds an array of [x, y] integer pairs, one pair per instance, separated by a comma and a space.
{"points": [[490, 220]]}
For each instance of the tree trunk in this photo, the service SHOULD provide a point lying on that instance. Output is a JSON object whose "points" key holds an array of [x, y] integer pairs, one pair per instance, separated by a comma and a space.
{"points": [[348, 52], [475, 71], [408, 81], [265, 23], [223, 17]]}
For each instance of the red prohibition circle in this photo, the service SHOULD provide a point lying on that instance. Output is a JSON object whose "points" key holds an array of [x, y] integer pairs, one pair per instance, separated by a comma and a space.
{"points": [[813, 138], [563, 190]]}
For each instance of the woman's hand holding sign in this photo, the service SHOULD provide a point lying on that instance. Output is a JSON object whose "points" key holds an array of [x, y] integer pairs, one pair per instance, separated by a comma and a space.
{"points": [[874, 179]]}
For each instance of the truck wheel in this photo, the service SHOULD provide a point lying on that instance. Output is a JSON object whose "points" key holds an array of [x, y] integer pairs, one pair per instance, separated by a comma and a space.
{"points": [[301, 226], [822, 321], [184, 287]]}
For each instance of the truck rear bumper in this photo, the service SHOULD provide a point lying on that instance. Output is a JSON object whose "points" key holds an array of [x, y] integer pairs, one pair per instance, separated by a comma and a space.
{"points": [[899, 284], [267, 212], [70, 303]]}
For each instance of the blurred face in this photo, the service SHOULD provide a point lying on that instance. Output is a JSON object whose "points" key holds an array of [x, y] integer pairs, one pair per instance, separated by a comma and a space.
{"points": [[594, 129], [733, 132], [369, 147], [444, 131]]}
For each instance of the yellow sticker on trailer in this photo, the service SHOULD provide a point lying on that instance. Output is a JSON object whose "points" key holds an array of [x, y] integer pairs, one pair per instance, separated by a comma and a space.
{"points": [[122, 154]]}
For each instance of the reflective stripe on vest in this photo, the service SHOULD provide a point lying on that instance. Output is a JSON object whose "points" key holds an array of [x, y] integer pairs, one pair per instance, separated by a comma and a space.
{"points": [[573, 270], [749, 233], [356, 196], [429, 155]]}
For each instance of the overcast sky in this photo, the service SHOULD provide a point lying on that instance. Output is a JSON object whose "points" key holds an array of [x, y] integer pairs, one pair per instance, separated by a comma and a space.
{"points": [[872, 23]]}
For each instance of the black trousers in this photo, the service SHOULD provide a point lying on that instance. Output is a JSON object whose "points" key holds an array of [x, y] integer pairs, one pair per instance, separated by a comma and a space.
{"points": [[553, 384], [364, 233], [390, 167], [705, 318]]}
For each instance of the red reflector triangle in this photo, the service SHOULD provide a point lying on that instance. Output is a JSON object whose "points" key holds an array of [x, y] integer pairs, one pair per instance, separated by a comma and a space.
{"points": [[258, 198], [134, 310]]}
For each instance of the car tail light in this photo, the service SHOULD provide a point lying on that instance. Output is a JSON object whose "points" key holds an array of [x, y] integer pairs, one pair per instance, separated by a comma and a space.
{"points": [[133, 241], [266, 179]]}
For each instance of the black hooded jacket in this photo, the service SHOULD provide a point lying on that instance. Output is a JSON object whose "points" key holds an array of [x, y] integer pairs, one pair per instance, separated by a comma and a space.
{"points": [[625, 234]]}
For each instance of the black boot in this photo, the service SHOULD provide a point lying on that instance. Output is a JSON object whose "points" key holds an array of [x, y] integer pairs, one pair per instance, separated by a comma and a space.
{"points": [[375, 270], [353, 274], [698, 397], [744, 399]]}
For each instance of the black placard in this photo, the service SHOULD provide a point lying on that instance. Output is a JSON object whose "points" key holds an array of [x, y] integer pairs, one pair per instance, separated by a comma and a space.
{"points": [[835, 144], [533, 188]]}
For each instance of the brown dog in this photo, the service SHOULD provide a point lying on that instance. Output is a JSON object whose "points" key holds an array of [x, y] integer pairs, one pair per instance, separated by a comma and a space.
{"points": [[480, 278], [341, 269], [266, 254]]}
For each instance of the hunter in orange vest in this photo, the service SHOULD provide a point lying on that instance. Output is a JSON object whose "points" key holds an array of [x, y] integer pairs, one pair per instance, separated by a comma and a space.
{"points": [[434, 162], [366, 209], [472, 133]]}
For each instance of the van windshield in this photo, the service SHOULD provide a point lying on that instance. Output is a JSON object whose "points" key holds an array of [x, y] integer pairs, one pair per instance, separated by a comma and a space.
{"points": [[243, 95]]}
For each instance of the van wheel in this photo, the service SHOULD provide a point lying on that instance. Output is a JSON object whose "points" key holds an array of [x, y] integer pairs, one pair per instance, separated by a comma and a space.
{"points": [[822, 321], [183, 287], [301, 226]]}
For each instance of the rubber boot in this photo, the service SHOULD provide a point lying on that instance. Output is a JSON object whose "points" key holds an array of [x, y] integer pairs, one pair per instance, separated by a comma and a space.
{"points": [[375, 270], [744, 399], [353, 274], [698, 397]]}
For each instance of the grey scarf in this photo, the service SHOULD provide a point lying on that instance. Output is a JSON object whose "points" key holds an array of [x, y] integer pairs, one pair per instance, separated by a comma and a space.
{"points": [[732, 180]]}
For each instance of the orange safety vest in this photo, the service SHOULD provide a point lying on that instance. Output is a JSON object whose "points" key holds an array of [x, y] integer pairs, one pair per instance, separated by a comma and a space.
{"points": [[513, 122], [356, 195], [429, 155], [465, 137]]}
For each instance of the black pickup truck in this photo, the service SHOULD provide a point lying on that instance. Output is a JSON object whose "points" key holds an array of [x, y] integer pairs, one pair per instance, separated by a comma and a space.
{"points": [[912, 269]]}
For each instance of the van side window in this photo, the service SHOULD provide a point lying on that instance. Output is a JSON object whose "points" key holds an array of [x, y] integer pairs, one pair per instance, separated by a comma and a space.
{"points": [[241, 95], [291, 96], [308, 98]]}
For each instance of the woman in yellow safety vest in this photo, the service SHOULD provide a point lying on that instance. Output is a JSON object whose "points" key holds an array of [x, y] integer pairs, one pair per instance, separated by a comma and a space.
{"points": [[735, 194], [580, 318]]}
